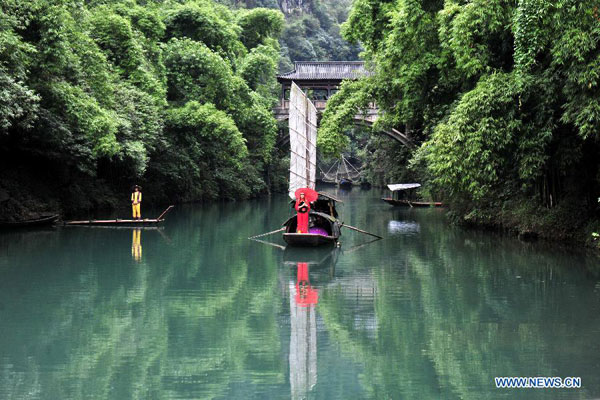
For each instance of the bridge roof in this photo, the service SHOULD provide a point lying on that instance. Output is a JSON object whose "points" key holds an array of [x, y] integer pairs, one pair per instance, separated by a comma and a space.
{"points": [[325, 70]]}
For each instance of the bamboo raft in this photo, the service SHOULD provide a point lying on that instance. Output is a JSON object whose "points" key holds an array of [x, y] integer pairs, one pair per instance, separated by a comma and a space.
{"points": [[121, 222]]}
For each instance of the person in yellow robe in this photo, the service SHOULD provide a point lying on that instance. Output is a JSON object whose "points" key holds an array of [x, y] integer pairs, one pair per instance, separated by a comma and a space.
{"points": [[136, 200]]}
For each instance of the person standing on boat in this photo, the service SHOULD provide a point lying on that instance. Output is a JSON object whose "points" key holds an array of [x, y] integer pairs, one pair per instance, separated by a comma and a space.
{"points": [[303, 208], [136, 200]]}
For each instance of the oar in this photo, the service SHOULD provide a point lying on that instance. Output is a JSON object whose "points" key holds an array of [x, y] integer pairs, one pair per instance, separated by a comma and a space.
{"points": [[269, 243], [164, 212], [360, 230], [268, 233], [358, 246]]}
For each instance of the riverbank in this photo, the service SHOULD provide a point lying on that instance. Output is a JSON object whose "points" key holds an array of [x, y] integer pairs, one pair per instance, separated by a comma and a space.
{"points": [[27, 193], [567, 222], [30, 188]]}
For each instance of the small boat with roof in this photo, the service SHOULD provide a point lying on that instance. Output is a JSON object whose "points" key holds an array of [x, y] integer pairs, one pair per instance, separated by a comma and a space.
{"points": [[402, 193]]}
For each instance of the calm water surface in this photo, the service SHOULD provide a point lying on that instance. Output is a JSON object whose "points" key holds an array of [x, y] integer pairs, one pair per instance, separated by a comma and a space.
{"points": [[197, 311]]}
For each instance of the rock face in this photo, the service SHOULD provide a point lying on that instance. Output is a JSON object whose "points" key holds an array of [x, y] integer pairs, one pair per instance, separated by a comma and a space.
{"points": [[294, 6]]}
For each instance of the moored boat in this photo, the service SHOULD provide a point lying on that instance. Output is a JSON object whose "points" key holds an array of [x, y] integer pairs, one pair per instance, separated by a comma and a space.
{"points": [[346, 183], [403, 198], [408, 203], [44, 220]]}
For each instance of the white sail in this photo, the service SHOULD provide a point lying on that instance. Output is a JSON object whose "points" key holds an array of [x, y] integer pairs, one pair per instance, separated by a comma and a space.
{"points": [[303, 141]]}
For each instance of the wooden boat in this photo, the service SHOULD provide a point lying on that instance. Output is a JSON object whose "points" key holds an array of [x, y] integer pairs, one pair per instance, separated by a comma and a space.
{"points": [[346, 184], [408, 203], [303, 170], [308, 239], [44, 220], [323, 222], [403, 196], [121, 222]]}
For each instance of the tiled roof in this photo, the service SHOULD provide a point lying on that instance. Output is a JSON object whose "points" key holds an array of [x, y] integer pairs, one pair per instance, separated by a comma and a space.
{"points": [[317, 70]]}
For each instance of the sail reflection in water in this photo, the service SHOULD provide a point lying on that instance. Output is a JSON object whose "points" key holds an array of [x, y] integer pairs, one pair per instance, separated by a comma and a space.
{"points": [[136, 245], [303, 337]]}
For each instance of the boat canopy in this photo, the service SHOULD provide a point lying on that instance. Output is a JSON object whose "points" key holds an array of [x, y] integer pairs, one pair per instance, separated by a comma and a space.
{"points": [[403, 186], [327, 195]]}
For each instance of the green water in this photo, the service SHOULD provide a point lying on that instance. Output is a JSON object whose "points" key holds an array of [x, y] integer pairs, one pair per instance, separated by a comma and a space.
{"points": [[198, 311]]}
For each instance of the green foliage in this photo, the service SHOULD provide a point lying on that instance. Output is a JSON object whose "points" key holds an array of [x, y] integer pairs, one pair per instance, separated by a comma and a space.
{"points": [[115, 37], [197, 73], [211, 126], [476, 35], [258, 25], [486, 142], [18, 103], [575, 56], [306, 38], [503, 94], [164, 93], [339, 114], [140, 127], [86, 117], [204, 145], [368, 22], [259, 69], [207, 23]]}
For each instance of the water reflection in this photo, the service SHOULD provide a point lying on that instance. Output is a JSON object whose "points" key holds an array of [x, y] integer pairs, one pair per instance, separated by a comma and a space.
{"points": [[136, 245], [208, 313], [303, 298], [303, 336], [403, 227]]}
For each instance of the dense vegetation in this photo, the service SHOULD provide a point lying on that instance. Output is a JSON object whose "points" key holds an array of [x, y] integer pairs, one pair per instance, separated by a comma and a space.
{"points": [[502, 95], [100, 95], [311, 31]]}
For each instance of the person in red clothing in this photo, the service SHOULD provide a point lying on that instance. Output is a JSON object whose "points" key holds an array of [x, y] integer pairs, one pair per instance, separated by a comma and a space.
{"points": [[303, 208]]}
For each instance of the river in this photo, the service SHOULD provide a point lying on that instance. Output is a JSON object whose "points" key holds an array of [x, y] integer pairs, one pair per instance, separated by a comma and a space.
{"points": [[196, 310]]}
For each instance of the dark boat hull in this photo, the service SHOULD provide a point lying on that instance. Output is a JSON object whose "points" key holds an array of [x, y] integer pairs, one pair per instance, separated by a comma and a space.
{"points": [[44, 221], [346, 184], [308, 239], [406, 203]]}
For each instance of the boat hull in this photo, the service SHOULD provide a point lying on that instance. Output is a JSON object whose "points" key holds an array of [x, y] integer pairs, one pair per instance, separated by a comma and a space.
{"points": [[406, 203], [346, 184], [44, 221], [308, 239]]}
